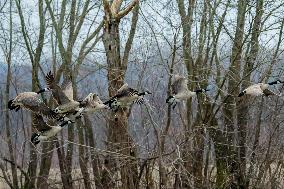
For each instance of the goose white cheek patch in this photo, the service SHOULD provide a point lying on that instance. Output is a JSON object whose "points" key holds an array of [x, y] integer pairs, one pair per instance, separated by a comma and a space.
{"points": [[171, 100]]}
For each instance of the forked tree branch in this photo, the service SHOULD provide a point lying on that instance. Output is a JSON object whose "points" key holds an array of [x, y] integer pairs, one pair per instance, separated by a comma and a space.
{"points": [[107, 8], [115, 6], [124, 12]]}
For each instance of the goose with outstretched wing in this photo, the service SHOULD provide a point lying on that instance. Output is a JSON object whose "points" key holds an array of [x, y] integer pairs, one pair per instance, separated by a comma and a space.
{"points": [[259, 89], [180, 91], [125, 97], [63, 95], [32, 101], [44, 130], [92, 103]]}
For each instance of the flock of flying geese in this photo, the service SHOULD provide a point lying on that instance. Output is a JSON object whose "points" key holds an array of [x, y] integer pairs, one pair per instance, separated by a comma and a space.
{"points": [[68, 109]]}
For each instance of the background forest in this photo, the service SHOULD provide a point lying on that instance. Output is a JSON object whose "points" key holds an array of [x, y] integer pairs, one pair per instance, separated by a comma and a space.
{"points": [[215, 140]]}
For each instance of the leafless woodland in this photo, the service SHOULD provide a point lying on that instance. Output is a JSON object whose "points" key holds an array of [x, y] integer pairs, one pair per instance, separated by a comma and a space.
{"points": [[216, 140]]}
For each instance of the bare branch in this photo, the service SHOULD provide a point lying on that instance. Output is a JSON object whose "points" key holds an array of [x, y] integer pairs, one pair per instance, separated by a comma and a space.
{"points": [[57, 27], [107, 8], [24, 31], [131, 35], [124, 12], [81, 20], [18, 167], [115, 6]]}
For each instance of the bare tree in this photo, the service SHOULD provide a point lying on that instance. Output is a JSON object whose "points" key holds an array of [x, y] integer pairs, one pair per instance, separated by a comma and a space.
{"points": [[8, 58], [118, 137]]}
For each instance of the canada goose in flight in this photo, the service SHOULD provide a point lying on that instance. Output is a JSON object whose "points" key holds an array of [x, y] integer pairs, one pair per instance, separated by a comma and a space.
{"points": [[259, 89], [68, 108], [45, 131], [180, 91], [92, 103], [63, 95], [32, 102], [125, 97]]}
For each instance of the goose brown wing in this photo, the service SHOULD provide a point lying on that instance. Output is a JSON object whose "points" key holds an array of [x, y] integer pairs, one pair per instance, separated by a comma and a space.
{"points": [[39, 124], [57, 93], [123, 88], [179, 85], [87, 100], [67, 89], [126, 92], [268, 92], [37, 106], [50, 81]]}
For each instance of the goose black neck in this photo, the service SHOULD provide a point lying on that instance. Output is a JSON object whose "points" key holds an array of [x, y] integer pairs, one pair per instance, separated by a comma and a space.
{"points": [[274, 82], [41, 91], [10, 105], [200, 90], [169, 98], [242, 93], [109, 102], [141, 94]]}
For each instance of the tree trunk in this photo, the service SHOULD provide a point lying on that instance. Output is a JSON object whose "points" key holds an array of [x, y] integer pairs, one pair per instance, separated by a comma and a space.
{"points": [[95, 161], [66, 181], [83, 156], [233, 169], [45, 165], [118, 137], [186, 21], [242, 108], [7, 96], [198, 140]]}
